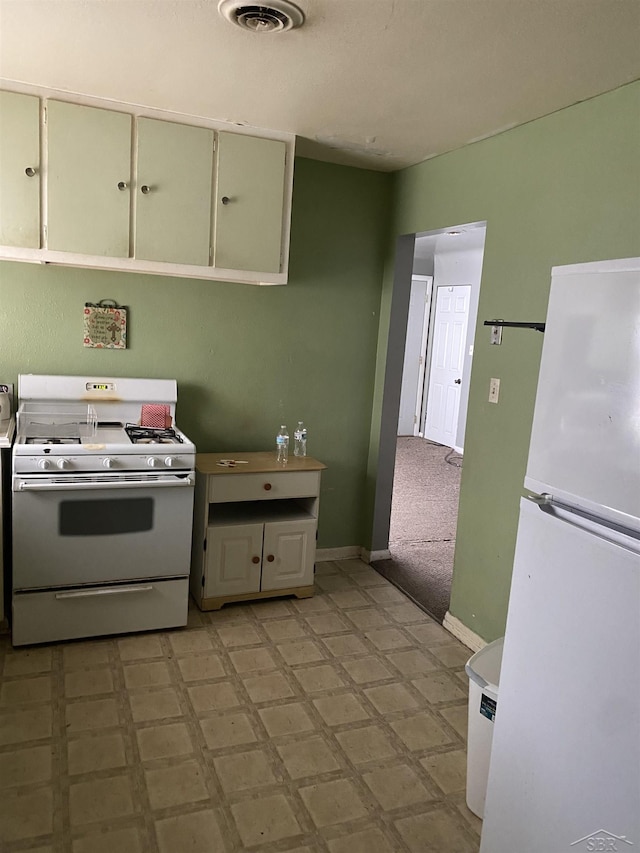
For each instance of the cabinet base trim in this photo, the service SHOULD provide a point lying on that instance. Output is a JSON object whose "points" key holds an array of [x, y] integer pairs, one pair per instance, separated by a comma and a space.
{"points": [[218, 602]]}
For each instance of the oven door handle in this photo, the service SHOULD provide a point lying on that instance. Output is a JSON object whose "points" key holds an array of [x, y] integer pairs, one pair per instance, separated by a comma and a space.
{"points": [[79, 485], [113, 590]]}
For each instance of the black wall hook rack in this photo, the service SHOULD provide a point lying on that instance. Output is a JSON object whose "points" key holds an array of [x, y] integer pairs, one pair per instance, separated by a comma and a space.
{"points": [[539, 327]]}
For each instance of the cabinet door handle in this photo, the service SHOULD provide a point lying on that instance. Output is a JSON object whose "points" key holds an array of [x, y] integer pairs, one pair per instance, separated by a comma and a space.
{"points": [[267, 487], [122, 185], [144, 189], [270, 558], [30, 171], [225, 199], [255, 559]]}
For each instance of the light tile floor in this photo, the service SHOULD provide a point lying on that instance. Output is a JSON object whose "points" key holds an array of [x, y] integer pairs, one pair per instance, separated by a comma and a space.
{"points": [[334, 724]]}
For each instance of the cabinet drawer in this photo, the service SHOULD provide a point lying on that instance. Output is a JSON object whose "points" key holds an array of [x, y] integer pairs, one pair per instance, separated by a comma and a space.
{"points": [[46, 617], [256, 487]]}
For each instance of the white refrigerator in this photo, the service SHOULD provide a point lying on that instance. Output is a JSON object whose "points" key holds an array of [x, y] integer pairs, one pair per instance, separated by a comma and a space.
{"points": [[565, 765]]}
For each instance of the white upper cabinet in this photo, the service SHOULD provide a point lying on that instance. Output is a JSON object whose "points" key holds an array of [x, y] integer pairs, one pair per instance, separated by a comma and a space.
{"points": [[88, 180], [249, 203], [141, 191], [19, 170], [173, 192]]}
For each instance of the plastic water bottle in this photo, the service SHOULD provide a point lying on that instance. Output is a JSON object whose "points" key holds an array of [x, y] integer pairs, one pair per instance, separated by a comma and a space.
{"points": [[282, 444], [300, 440]]}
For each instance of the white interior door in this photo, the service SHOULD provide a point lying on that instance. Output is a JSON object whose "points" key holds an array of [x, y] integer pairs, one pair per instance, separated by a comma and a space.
{"points": [[415, 355], [447, 362]]}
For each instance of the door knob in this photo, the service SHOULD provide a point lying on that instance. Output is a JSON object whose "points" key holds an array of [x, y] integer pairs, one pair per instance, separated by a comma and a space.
{"points": [[122, 185], [145, 189], [270, 558], [457, 381], [255, 559], [29, 171]]}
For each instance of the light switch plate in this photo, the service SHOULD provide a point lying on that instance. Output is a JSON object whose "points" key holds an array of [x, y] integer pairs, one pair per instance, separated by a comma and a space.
{"points": [[494, 390], [496, 335]]}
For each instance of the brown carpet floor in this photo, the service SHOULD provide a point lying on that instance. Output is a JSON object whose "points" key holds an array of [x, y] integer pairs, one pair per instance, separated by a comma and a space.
{"points": [[424, 514]]}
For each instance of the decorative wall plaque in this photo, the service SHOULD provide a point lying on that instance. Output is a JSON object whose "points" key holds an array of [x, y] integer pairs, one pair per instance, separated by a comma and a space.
{"points": [[105, 325]]}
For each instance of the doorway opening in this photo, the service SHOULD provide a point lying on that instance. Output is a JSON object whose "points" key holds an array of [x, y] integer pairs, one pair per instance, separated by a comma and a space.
{"points": [[429, 440]]}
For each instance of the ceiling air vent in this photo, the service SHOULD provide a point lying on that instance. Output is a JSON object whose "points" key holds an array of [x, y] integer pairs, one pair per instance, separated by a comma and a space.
{"points": [[278, 16]]}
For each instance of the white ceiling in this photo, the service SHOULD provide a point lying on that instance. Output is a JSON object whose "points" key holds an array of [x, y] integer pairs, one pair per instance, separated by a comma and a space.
{"points": [[377, 83]]}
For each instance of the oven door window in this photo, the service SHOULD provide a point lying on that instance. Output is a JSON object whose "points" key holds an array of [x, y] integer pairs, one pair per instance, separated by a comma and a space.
{"points": [[105, 517]]}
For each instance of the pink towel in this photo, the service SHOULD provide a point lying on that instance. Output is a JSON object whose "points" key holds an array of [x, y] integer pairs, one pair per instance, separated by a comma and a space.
{"points": [[155, 415]]}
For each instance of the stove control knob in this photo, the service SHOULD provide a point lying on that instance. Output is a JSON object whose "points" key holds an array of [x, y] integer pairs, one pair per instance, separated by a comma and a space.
{"points": [[44, 463], [107, 463], [152, 461], [63, 463], [169, 461]]}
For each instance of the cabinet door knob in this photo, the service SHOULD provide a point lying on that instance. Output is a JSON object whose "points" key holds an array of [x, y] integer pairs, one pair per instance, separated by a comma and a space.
{"points": [[29, 172], [144, 189], [255, 559], [267, 487], [225, 199], [270, 558], [122, 185]]}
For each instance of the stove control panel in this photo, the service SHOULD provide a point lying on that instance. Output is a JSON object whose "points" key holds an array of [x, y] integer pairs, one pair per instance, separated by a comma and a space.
{"points": [[24, 464]]}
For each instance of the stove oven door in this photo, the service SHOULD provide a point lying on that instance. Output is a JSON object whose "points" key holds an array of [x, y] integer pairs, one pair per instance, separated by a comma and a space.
{"points": [[74, 530]]}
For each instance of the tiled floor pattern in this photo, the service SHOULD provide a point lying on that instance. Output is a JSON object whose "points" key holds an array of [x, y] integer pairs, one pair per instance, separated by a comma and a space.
{"points": [[334, 724]]}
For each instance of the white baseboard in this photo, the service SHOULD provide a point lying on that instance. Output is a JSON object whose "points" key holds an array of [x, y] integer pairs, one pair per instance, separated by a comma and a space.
{"points": [[372, 556], [461, 632], [349, 552]]}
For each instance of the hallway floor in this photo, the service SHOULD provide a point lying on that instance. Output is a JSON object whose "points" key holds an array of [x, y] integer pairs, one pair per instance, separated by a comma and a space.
{"points": [[334, 724], [424, 515]]}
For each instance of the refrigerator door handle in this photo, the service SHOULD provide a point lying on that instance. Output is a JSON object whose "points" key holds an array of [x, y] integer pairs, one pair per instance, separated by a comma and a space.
{"points": [[541, 500], [597, 527]]}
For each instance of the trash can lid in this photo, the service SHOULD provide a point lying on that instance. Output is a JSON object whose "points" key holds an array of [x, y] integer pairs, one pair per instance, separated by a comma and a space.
{"points": [[484, 666]]}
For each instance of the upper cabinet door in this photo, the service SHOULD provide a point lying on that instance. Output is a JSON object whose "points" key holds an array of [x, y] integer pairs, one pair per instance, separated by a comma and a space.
{"points": [[19, 170], [249, 203], [173, 192], [89, 174]]}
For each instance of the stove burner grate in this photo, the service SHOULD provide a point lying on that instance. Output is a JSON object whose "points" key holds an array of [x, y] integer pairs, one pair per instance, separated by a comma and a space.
{"points": [[152, 435]]}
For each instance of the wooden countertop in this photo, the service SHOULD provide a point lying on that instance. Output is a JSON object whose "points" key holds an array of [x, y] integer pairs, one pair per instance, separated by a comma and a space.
{"points": [[255, 463]]}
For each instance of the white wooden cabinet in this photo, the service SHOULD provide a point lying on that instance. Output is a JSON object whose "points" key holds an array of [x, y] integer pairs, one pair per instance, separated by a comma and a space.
{"points": [[173, 192], [88, 178], [255, 528], [141, 190], [19, 170]]}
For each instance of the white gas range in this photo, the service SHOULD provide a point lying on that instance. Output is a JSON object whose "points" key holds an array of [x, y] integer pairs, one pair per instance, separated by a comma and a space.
{"points": [[102, 488]]}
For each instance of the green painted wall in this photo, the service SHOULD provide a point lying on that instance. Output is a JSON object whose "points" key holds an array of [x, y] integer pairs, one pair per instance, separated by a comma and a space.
{"points": [[246, 358], [563, 189]]}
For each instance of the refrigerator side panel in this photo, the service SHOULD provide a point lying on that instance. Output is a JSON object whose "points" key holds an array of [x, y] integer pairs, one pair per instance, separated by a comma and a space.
{"points": [[585, 441], [565, 760]]}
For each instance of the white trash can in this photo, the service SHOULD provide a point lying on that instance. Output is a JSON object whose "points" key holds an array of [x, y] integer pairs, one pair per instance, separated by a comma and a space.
{"points": [[483, 670]]}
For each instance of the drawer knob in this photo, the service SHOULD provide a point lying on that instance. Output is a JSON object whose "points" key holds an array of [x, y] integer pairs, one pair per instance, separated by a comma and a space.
{"points": [[270, 558], [255, 559], [267, 487]]}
